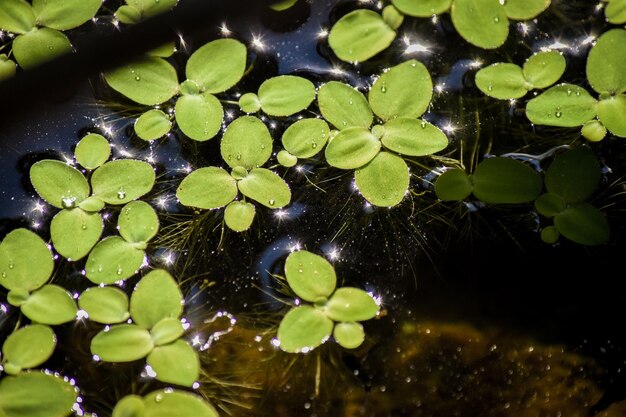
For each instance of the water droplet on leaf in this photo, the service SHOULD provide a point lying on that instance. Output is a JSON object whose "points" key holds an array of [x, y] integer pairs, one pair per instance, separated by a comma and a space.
{"points": [[271, 202]]}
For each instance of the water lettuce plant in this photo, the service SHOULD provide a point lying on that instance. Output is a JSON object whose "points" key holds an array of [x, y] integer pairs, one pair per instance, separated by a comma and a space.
{"points": [[328, 311], [27, 347], [36, 394], [166, 402], [615, 11], [303, 139], [283, 95], [568, 105]]}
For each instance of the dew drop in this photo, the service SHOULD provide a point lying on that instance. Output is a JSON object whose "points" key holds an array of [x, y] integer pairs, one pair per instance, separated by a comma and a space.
{"points": [[158, 398], [496, 19], [68, 202], [314, 145], [100, 268], [238, 156], [344, 123], [383, 88], [558, 114], [351, 102], [11, 266], [414, 64], [4, 275], [83, 226], [578, 92], [272, 202], [51, 47], [423, 125], [121, 194], [569, 92], [119, 270], [137, 78], [490, 87]]}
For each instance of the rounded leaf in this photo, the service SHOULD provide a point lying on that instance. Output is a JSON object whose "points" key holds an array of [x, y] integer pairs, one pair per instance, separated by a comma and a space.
{"points": [[303, 329], [265, 187], [239, 216], [349, 335], [129, 15], [343, 106], [282, 5], [249, 103], [199, 116], [246, 143], [574, 175], [544, 68], [502, 81], [149, 8], [207, 188], [107, 305], [505, 181], [306, 137], [156, 297], [54, 396], [218, 65], [351, 304], [550, 204], [360, 35], [58, 183], [51, 305], [166, 331], [138, 222], [165, 50], [39, 46], [606, 63], [147, 80], [91, 204], [176, 363], [424, 8], [615, 12], [310, 276], [66, 14], [171, 403], [129, 406], [122, 180], [611, 113], [525, 9], [392, 17], [74, 232], [92, 151], [453, 185], [152, 125], [113, 259], [564, 105], [16, 16], [352, 148], [30, 346], [550, 234], [483, 23], [593, 130], [286, 159], [584, 224], [413, 137], [285, 95], [25, 261], [122, 343], [403, 91], [7, 68], [384, 181]]}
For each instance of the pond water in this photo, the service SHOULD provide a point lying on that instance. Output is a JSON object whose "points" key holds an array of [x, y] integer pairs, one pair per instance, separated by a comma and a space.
{"points": [[479, 317]]}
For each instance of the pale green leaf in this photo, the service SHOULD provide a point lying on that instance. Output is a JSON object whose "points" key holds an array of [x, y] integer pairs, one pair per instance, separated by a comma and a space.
{"points": [[156, 297], [138, 222], [265, 187], [122, 343], [310, 276], [152, 125], [246, 143], [306, 137], [29, 346], [150, 8], [218, 65], [303, 328], [593, 130], [91, 204], [343, 106], [147, 80], [51, 305], [544, 68], [413, 137], [129, 406], [606, 63], [403, 91], [25, 261], [171, 403], [525, 9], [65, 14], [501, 180], [285, 95], [249, 103], [392, 17], [483, 23], [352, 148], [384, 181], [107, 305], [286, 159], [351, 304], [113, 259], [360, 35], [503, 81], [92, 151], [39, 46], [16, 16], [349, 335], [564, 105], [199, 116], [58, 183], [207, 188], [584, 224], [74, 232], [550, 204], [615, 12], [122, 180], [8, 68], [574, 175], [176, 363], [453, 185], [611, 112], [54, 396], [239, 216], [166, 331], [423, 8]]}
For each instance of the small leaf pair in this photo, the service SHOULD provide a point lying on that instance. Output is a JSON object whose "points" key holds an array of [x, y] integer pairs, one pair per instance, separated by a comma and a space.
{"points": [[313, 279], [7, 67], [303, 139], [36, 394], [27, 348], [280, 96], [167, 402], [155, 307]]}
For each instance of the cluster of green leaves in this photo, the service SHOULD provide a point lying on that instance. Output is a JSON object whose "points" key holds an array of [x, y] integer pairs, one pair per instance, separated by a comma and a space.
{"points": [[164, 403], [362, 33], [337, 312], [509, 81], [39, 28], [615, 11], [568, 105]]}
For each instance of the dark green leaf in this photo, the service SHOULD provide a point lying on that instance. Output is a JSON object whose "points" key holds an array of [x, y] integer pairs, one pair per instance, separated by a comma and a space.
{"points": [[550, 204], [584, 224], [453, 185], [505, 181], [574, 175]]}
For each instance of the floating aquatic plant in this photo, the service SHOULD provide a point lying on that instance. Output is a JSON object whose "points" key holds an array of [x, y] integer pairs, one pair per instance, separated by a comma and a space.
{"points": [[36, 394], [7, 67], [27, 348], [283, 95], [303, 139], [615, 11], [167, 402]]}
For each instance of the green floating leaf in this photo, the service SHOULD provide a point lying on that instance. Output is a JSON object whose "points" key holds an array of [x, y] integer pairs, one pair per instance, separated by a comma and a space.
{"points": [[303, 329], [39, 46], [349, 335], [207, 188], [171, 403], [286, 95], [286, 159], [25, 261], [265, 187], [107, 305], [360, 35], [58, 183], [147, 80], [615, 12], [122, 180], [122, 343], [16, 16], [544, 68], [424, 8], [453, 185], [593, 130], [66, 14], [343, 106], [392, 17], [156, 297], [92, 151], [113, 259], [524, 9], [218, 65], [282, 5], [149, 8], [176, 363], [29, 346], [483, 23], [74, 232], [164, 51], [310, 276], [246, 143], [91, 204], [611, 113], [138, 222], [574, 175], [564, 105], [152, 125], [606, 63], [239, 216], [128, 14], [199, 116], [51, 305], [351, 304], [8, 68], [403, 91], [306, 137], [129, 406], [505, 181], [249, 103], [550, 204], [550, 235], [384, 181], [413, 137], [502, 81], [54, 396], [584, 224], [352, 148], [166, 331]]}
